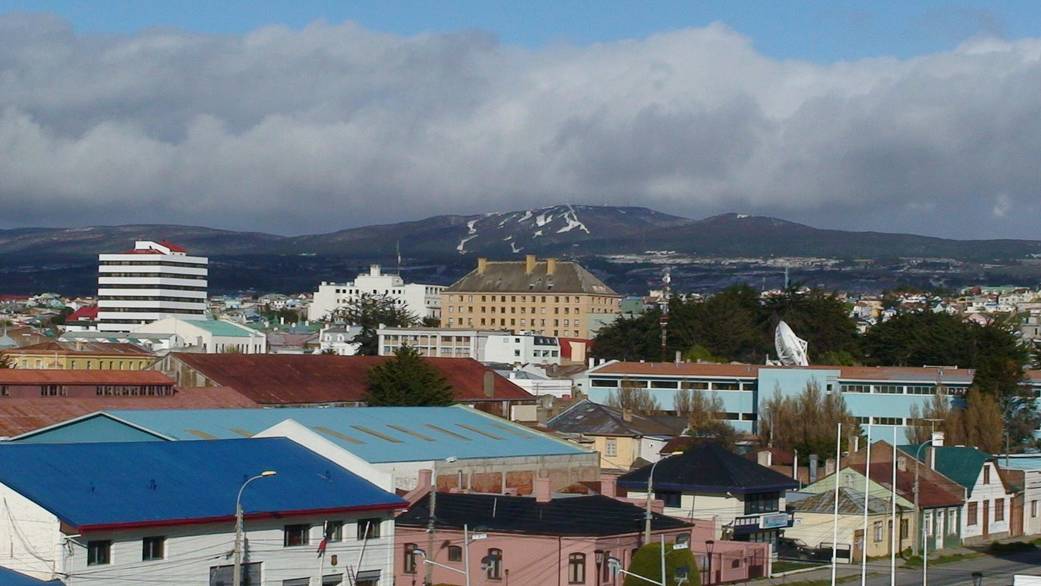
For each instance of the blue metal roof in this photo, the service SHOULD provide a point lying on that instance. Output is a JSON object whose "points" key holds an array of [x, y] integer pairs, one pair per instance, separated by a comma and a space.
{"points": [[375, 434], [97, 485], [12, 578]]}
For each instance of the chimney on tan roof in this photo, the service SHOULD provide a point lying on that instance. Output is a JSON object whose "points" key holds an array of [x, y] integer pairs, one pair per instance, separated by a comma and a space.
{"points": [[529, 264], [627, 415], [551, 266], [482, 265]]}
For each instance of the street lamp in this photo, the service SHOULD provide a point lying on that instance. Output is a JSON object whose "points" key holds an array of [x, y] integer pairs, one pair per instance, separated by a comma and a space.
{"points": [[650, 496], [237, 568], [710, 544]]}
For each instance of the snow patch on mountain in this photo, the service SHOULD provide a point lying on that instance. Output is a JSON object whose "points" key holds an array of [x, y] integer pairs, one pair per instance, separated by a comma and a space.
{"points": [[515, 248], [571, 217], [462, 244], [471, 227], [543, 219], [527, 216]]}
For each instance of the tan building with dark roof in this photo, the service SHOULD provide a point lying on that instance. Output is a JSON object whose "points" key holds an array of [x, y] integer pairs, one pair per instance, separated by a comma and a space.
{"points": [[80, 355], [548, 297]]}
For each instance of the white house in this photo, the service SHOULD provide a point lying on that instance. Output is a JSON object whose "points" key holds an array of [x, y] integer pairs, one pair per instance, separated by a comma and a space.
{"points": [[418, 299], [509, 348], [211, 336], [149, 282], [1025, 470], [986, 513], [339, 339], [482, 345], [133, 513]]}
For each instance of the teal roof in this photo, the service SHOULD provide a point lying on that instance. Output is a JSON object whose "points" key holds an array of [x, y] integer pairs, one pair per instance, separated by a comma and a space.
{"points": [[960, 464], [375, 434], [224, 328]]}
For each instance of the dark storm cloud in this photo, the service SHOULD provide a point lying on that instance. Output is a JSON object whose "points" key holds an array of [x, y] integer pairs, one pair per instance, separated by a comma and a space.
{"points": [[334, 125]]}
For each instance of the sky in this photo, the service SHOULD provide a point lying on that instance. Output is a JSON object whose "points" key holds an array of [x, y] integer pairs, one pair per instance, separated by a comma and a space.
{"points": [[308, 116]]}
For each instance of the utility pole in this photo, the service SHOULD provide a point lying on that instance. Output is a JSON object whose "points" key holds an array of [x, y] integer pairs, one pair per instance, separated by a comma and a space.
{"points": [[649, 515], [666, 294]]}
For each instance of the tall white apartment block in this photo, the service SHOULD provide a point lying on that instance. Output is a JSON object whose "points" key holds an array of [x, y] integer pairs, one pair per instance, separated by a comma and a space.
{"points": [[153, 281], [419, 300]]}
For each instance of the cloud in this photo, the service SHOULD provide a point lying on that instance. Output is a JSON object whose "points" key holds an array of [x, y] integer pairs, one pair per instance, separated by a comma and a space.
{"points": [[334, 125]]}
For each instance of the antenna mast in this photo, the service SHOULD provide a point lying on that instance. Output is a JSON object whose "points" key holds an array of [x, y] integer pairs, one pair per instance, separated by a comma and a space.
{"points": [[666, 294]]}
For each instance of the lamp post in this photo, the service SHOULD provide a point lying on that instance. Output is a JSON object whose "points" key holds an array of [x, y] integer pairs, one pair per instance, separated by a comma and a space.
{"points": [[650, 496], [431, 530], [710, 544], [236, 579], [465, 572]]}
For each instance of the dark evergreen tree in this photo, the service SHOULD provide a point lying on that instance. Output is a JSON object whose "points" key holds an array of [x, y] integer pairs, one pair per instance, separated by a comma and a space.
{"points": [[369, 312], [406, 380]]}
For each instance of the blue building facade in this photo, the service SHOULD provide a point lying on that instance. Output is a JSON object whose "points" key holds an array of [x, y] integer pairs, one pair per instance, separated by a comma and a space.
{"points": [[881, 396]]}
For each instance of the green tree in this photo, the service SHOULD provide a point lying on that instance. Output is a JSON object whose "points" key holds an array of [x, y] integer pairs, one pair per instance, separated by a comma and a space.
{"points": [[406, 380], [630, 338], [646, 562], [727, 324], [916, 339], [370, 312], [820, 318]]}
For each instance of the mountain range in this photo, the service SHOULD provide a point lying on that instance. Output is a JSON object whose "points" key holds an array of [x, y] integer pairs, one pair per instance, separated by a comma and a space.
{"points": [[622, 244], [574, 230]]}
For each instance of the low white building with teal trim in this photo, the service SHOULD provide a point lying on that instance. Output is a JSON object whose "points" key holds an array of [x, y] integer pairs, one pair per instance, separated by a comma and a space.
{"points": [[882, 396], [212, 336]]}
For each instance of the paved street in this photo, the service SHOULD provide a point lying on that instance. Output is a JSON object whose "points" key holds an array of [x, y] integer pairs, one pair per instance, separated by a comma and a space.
{"points": [[997, 571]]}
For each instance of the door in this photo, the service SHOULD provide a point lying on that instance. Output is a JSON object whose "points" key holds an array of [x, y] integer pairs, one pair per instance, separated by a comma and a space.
{"points": [[1016, 522], [986, 518], [858, 545]]}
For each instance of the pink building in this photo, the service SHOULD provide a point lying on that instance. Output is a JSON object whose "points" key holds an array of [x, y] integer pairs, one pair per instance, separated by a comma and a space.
{"points": [[545, 539]]}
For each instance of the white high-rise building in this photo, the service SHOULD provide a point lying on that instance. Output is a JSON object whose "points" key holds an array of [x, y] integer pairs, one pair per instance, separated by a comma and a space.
{"points": [[419, 300], [153, 281]]}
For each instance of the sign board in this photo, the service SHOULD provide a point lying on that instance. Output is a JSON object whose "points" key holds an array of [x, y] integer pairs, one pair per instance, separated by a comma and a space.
{"points": [[1021, 580], [773, 521], [478, 536]]}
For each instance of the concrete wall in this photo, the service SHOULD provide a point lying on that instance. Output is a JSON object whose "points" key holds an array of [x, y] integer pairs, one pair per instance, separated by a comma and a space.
{"points": [[192, 551], [29, 536], [497, 474]]}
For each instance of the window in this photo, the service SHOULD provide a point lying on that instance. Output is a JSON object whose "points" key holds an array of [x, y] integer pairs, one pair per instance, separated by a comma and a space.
{"points": [[683, 539], [368, 529], [455, 553], [1033, 509], [99, 553], [878, 531], [294, 535], [726, 386], [297, 582], [767, 502], [971, 517], [905, 529], [332, 580], [999, 509], [410, 558], [611, 447], [671, 499], [493, 564], [576, 568], [334, 531], [986, 474], [222, 575], [153, 548]]}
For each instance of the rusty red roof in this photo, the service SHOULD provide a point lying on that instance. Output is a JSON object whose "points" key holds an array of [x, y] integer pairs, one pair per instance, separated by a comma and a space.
{"points": [[678, 369], [936, 491], [18, 415], [30, 376], [297, 379], [84, 348], [87, 313]]}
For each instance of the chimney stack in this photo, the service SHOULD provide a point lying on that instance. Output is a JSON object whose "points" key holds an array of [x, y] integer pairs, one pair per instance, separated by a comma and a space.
{"points": [[482, 265], [542, 490], [489, 384], [424, 479], [529, 264], [813, 468], [679, 357], [551, 266], [627, 415], [764, 458], [829, 466], [609, 486]]}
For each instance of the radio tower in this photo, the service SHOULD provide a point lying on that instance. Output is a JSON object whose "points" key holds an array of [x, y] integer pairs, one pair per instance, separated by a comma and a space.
{"points": [[666, 294]]}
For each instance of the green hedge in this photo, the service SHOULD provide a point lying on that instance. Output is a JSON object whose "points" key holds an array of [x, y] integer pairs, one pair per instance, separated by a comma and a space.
{"points": [[647, 563]]}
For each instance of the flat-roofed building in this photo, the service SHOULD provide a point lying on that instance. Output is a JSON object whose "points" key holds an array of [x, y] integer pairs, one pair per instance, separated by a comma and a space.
{"points": [[149, 282], [549, 297], [212, 336], [878, 395], [421, 300]]}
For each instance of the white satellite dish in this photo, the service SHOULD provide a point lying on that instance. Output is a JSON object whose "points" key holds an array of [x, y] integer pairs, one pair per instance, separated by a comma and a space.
{"points": [[791, 349]]}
